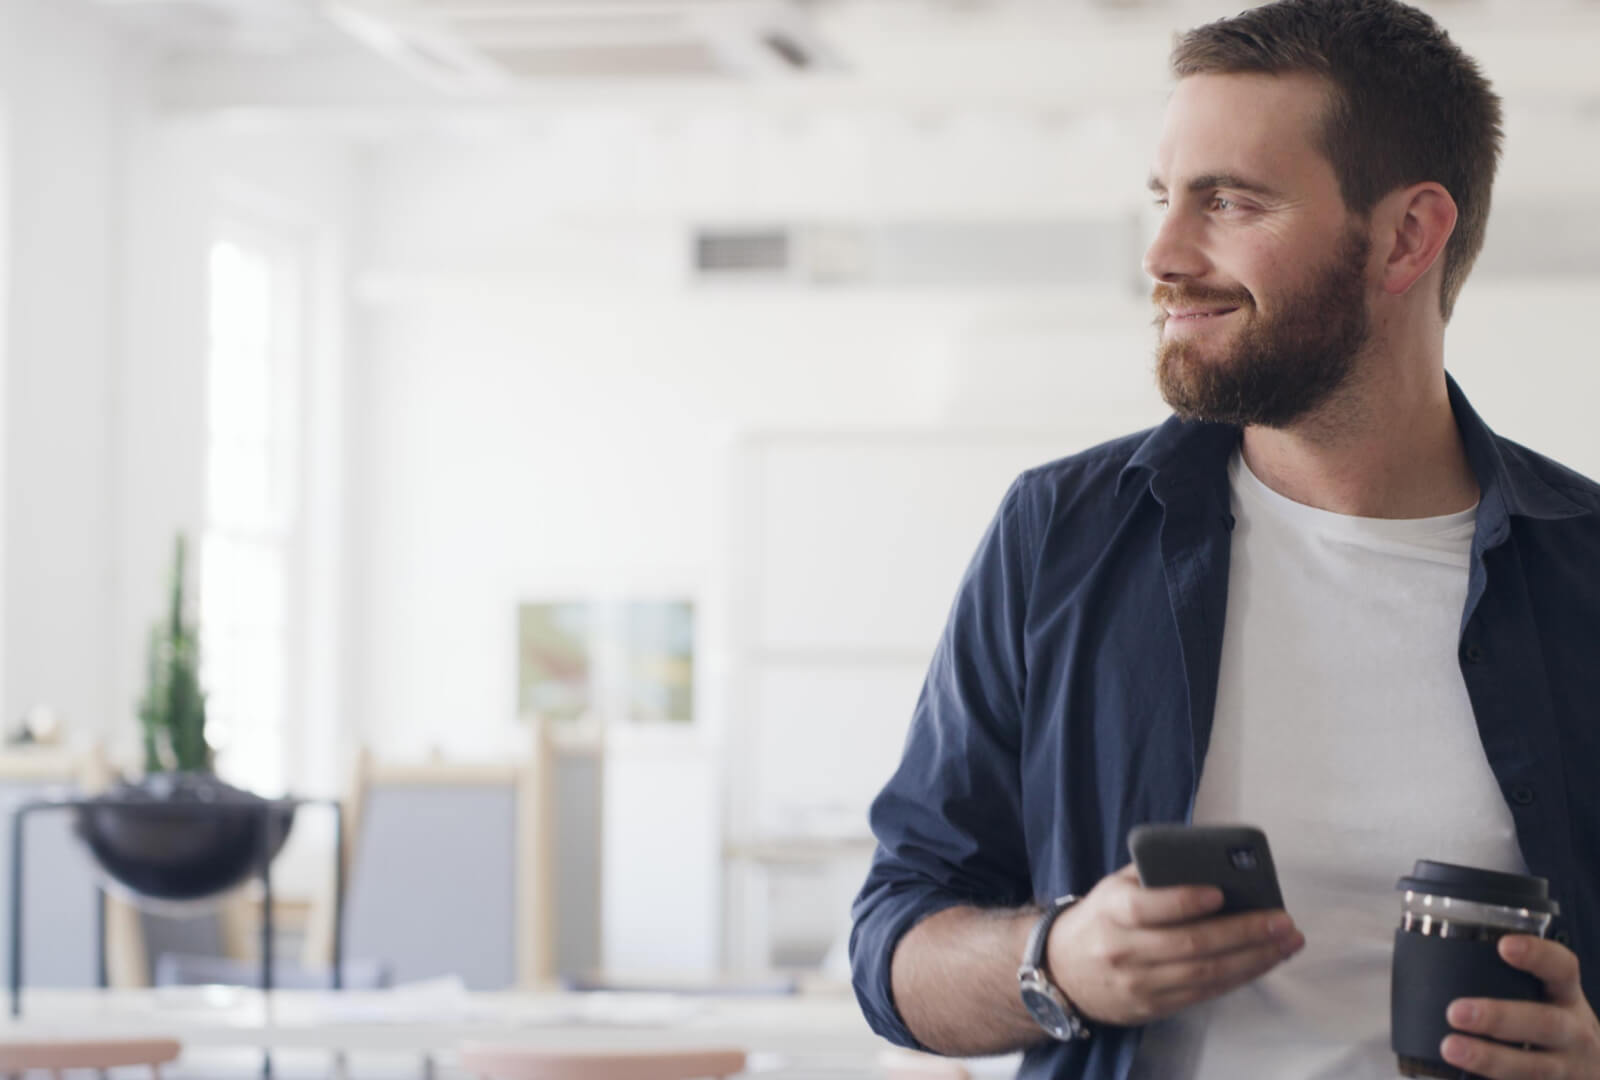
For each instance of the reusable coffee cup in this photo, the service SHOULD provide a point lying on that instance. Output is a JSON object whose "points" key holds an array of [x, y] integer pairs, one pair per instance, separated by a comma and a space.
{"points": [[1451, 918]]}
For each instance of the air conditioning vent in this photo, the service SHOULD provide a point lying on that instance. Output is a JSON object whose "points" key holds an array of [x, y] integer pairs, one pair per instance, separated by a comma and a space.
{"points": [[751, 251], [503, 45]]}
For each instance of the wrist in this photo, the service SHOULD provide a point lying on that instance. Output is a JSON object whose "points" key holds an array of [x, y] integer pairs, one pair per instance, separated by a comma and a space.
{"points": [[1041, 993], [1021, 929]]}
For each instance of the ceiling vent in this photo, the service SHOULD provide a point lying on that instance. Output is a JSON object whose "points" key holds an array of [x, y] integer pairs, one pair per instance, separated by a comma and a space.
{"points": [[737, 252], [467, 47]]}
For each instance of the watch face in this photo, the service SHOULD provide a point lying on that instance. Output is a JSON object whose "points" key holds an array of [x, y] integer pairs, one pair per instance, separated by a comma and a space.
{"points": [[1047, 1011]]}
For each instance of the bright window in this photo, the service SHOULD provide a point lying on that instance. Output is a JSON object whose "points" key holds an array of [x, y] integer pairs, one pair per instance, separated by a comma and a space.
{"points": [[247, 553]]}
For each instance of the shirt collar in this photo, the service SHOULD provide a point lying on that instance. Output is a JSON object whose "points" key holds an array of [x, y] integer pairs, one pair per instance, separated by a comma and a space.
{"points": [[1185, 452], [1182, 452], [1508, 484]]}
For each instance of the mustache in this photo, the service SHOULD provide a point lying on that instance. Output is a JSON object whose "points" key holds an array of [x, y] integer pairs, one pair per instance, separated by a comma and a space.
{"points": [[1164, 296]]}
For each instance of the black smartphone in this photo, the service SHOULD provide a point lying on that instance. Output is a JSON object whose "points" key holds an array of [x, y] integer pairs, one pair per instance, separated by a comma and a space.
{"points": [[1234, 858]]}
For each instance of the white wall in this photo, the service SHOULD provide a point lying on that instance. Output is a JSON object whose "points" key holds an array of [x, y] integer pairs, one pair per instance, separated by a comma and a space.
{"points": [[69, 89], [5, 347], [1520, 351]]}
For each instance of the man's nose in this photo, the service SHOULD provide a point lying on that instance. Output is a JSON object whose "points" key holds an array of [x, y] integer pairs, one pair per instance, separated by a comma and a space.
{"points": [[1175, 252]]}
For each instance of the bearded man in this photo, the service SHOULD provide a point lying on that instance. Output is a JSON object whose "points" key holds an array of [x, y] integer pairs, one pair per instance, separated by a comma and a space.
{"points": [[1324, 598]]}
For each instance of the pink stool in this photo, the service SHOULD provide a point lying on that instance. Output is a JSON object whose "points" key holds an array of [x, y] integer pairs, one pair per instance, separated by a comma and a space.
{"points": [[533, 1063], [55, 1056]]}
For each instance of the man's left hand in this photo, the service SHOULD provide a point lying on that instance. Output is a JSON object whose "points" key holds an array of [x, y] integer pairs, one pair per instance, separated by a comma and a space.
{"points": [[1562, 1031]]}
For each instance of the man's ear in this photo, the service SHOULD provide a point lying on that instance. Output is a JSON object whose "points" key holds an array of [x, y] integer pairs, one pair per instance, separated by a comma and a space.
{"points": [[1416, 222]]}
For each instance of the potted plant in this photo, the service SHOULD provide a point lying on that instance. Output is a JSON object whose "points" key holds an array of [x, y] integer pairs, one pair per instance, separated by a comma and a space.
{"points": [[172, 716], [179, 832]]}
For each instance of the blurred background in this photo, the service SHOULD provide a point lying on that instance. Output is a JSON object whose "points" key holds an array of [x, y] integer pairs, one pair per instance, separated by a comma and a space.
{"points": [[599, 400]]}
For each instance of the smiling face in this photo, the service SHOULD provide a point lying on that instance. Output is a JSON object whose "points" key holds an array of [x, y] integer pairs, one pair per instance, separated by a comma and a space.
{"points": [[1261, 272]]}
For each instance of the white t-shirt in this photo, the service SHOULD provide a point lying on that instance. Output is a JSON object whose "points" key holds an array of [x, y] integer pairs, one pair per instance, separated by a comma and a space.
{"points": [[1343, 730]]}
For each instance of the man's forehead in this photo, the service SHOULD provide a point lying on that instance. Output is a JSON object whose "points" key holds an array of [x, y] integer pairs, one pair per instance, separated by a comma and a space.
{"points": [[1305, 94], [1248, 126]]}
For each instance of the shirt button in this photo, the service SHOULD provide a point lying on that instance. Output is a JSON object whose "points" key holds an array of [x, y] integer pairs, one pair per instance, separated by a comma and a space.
{"points": [[1475, 653], [1522, 795]]}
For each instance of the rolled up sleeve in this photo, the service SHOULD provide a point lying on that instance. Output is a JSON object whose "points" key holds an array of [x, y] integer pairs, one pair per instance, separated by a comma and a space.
{"points": [[949, 822]]}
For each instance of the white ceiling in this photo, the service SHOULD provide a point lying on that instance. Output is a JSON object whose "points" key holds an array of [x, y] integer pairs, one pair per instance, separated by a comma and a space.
{"points": [[442, 55]]}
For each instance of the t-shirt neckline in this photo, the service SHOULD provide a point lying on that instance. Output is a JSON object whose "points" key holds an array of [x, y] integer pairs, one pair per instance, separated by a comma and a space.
{"points": [[1247, 485]]}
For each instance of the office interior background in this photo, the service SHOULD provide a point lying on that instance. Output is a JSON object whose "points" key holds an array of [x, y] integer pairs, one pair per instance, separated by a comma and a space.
{"points": [[434, 323]]}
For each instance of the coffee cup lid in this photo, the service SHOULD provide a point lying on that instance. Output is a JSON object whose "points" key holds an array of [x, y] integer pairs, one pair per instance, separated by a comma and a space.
{"points": [[1480, 886]]}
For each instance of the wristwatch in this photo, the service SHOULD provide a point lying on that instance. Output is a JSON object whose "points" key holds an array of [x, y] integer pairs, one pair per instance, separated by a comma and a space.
{"points": [[1043, 998]]}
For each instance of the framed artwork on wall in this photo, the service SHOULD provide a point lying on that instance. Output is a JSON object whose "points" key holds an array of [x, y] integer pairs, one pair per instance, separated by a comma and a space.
{"points": [[555, 662], [607, 662], [659, 643]]}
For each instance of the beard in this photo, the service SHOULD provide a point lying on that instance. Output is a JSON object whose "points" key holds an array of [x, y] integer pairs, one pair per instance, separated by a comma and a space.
{"points": [[1276, 370]]}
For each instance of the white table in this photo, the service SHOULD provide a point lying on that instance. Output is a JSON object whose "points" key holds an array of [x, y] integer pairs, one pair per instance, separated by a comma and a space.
{"points": [[818, 1033], [440, 1020]]}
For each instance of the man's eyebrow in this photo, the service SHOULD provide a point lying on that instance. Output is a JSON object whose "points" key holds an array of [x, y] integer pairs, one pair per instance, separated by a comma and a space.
{"points": [[1210, 181]]}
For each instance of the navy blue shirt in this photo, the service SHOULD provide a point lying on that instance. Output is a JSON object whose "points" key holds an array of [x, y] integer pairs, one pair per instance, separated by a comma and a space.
{"points": [[1071, 694]]}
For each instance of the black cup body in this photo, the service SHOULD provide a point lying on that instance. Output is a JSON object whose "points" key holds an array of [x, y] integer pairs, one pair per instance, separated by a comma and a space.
{"points": [[1447, 948]]}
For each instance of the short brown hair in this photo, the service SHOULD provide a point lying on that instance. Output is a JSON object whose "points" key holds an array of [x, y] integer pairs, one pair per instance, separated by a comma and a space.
{"points": [[1408, 105]]}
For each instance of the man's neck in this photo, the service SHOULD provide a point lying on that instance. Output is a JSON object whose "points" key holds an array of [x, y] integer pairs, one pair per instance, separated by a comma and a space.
{"points": [[1387, 447]]}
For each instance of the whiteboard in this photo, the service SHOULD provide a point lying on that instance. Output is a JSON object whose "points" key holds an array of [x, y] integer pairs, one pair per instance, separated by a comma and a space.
{"points": [[852, 548]]}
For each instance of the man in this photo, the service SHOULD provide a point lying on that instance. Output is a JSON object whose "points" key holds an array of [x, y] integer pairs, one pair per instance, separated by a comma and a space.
{"points": [[1323, 599]]}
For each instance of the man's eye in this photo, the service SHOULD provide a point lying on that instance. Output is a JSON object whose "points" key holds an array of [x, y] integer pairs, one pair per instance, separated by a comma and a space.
{"points": [[1159, 204], [1222, 202]]}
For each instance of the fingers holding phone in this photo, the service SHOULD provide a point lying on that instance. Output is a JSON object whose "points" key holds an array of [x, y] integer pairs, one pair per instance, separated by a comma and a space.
{"points": [[1129, 952]]}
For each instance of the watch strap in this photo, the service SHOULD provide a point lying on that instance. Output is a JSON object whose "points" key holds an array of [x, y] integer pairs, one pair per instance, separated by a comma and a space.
{"points": [[1033, 956], [1059, 1017]]}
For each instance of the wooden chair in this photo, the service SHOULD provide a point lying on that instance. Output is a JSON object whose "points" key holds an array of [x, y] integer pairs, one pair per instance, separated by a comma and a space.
{"points": [[403, 858], [534, 1063], [98, 1054]]}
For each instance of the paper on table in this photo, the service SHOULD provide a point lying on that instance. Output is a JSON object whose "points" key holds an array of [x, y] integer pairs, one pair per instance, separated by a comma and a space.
{"points": [[447, 1001]]}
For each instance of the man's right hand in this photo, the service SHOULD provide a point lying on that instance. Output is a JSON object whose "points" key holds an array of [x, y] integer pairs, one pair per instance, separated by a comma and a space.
{"points": [[1127, 955]]}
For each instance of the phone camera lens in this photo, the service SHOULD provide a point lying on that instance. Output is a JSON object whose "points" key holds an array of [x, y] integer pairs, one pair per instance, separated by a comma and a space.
{"points": [[1242, 858]]}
